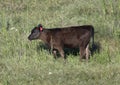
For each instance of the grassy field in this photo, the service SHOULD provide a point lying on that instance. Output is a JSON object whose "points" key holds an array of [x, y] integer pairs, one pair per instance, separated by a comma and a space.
{"points": [[27, 63]]}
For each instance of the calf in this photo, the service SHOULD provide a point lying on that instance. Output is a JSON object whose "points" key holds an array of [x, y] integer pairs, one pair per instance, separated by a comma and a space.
{"points": [[71, 37]]}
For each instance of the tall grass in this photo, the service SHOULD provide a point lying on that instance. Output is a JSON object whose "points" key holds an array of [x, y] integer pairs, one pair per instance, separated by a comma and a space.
{"points": [[27, 63]]}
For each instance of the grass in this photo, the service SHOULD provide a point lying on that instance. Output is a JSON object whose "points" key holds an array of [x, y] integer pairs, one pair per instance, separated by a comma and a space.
{"points": [[27, 63]]}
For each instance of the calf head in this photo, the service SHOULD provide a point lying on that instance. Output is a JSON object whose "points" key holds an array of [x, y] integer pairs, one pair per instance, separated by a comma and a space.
{"points": [[35, 33]]}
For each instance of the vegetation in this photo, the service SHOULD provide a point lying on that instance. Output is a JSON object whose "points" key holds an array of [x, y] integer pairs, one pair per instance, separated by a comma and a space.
{"points": [[27, 63]]}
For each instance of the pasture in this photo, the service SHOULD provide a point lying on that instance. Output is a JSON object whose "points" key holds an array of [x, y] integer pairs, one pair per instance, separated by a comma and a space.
{"points": [[28, 63]]}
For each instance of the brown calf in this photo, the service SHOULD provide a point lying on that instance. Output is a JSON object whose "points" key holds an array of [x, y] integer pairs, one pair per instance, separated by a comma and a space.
{"points": [[71, 37]]}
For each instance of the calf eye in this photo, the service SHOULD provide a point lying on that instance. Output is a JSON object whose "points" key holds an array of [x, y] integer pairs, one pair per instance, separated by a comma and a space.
{"points": [[33, 31]]}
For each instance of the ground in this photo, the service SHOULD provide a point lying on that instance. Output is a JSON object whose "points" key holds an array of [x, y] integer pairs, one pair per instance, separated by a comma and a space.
{"points": [[27, 63]]}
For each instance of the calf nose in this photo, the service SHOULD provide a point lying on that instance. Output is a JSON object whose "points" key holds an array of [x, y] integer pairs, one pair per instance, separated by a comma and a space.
{"points": [[29, 37]]}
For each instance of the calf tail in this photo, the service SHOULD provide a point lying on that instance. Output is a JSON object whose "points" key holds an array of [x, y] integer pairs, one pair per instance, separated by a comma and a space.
{"points": [[92, 36]]}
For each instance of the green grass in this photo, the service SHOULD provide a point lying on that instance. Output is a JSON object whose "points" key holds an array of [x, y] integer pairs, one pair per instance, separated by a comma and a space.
{"points": [[24, 63]]}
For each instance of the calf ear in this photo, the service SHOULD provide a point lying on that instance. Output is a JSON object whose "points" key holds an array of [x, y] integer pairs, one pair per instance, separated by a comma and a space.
{"points": [[40, 27]]}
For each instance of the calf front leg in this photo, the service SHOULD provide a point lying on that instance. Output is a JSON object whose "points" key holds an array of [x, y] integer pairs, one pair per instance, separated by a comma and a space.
{"points": [[54, 53], [61, 51]]}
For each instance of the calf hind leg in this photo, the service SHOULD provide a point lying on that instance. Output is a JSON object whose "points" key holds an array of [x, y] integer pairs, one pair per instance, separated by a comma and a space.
{"points": [[82, 53], [87, 52]]}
